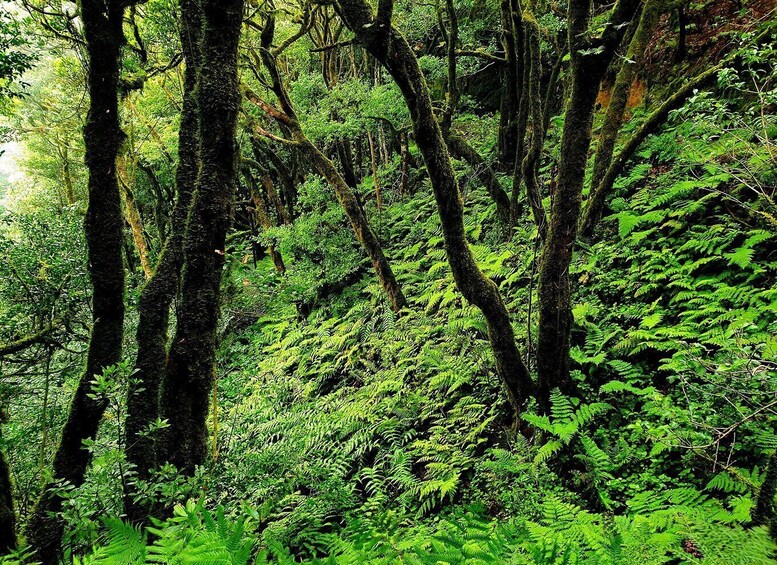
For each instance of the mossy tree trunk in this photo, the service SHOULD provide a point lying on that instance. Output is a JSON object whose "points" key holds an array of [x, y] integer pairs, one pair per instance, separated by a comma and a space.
{"points": [[589, 61], [616, 109], [345, 156], [7, 512], [522, 115], [389, 47], [460, 149], [596, 201], [157, 295], [102, 25], [287, 118], [534, 103], [763, 513], [511, 74], [457, 145], [190, 375], [263, 219]]}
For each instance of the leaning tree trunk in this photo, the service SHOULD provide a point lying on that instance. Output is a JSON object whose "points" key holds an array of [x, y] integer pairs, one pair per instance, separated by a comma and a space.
{"points": [[597, 199], [359, 223], [157, 296], [103, 225], [616, 109], [287, 118], [190, 368], [588, 65], [389, 47], [7, 512]]}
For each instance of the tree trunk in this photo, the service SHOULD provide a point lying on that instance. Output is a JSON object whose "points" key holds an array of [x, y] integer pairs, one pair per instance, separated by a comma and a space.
{"points": [[263, 153], [462, 150], [534, 104], [597, 198], [7, 512], [588, 67], [523, 55], [103, 227], [346, 161], [763, 512], [682, 22], [508, 112], [360, 225], [404, 153], [136, 227], [70, 196], [384, 43], [157, 296], [613, 118], [272, 195], [260, 210], [287, 118], [374, 168], [190, 371]]}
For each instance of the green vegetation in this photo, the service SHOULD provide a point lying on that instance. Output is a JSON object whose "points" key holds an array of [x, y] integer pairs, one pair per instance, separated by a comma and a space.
{"points": [[452, 282]]}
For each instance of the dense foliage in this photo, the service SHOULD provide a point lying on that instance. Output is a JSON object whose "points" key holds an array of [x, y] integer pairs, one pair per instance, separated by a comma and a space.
{"points": [[340, 428]]}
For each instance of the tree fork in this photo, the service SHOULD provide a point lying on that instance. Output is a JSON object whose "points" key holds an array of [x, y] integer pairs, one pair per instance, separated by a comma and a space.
{"points": [[588, 66]]}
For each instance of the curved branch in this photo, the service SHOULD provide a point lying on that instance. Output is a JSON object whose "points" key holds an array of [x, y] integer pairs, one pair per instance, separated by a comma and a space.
{"points": [[28, 341]]}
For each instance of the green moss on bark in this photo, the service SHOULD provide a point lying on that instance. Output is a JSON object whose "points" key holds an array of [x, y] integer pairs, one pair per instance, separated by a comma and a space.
{"points": [[157, 296], [389, 47], [103, 226], [190, 373]]}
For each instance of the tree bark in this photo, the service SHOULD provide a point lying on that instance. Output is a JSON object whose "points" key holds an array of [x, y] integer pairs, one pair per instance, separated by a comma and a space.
{"points": [[522, 117], [404, 152], [596, 201], [374, 168], [157, 296], [190, 371], [613, 118], [389, 47], [70, 196], [7, 512], [462, 150], [534, 103], [508, 112], [346, 161], [588, 64], [132, 214], [763, 512], [264, 221], [102, 24]]}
